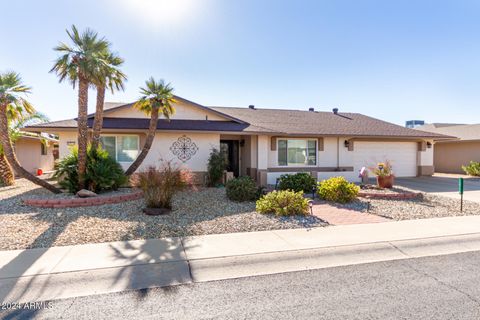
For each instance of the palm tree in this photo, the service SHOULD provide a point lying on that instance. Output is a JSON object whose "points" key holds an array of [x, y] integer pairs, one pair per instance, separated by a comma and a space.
{"points": [[157, 97], [17, 119], [11, 100], [78, 64], [108, 76]]}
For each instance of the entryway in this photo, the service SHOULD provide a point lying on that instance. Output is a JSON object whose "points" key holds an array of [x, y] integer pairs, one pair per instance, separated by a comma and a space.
{"points": [[230, 149]]}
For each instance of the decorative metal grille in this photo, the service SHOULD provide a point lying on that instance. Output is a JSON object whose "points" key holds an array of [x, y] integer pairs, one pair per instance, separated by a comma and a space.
{"points": [[184, 148]]}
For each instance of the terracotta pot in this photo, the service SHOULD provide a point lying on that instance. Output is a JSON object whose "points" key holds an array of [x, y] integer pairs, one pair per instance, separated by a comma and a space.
{"points": [[156, 211], [385, 182]]}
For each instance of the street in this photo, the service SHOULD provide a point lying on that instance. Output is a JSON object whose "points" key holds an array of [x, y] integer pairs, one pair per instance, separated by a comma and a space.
{"points": [[440, 287]]}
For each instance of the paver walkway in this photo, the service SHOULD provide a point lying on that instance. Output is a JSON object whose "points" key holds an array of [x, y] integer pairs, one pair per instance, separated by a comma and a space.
{"points": [[339, 216]]}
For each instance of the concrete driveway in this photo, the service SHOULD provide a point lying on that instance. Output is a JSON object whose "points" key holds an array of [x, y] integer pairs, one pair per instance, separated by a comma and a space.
{"points": [[444, 185]]}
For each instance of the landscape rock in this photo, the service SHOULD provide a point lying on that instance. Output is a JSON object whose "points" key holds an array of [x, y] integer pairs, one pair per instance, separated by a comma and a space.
{"points": [[84, 193]]}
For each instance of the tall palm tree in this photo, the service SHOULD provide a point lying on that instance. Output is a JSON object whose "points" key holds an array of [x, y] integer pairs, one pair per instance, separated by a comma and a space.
{"points": [[107, 76], [157, 97], [17, 119], [11, 98], [78, 64]]}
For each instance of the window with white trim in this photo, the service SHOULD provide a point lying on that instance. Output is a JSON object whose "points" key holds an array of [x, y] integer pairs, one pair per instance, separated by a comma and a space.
{"points": [[297, 152], [123, 148]]}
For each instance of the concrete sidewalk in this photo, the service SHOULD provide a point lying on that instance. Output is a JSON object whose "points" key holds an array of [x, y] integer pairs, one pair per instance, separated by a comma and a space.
{"points": [[61, 272]]}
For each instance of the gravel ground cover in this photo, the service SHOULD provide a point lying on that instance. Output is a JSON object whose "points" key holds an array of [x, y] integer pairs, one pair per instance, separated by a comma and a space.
{"points": [[206, 211], [370, 188], [426, 206]]}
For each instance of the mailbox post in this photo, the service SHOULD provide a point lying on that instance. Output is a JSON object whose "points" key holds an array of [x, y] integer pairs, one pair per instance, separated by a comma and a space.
{"points": [[460, 190]]}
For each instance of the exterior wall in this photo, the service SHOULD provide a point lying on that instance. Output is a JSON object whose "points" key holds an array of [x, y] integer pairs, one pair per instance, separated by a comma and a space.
{"points": [[30, 157], [197, 163], [449, 157], [182, 111], [66, 140], [425, 159]]}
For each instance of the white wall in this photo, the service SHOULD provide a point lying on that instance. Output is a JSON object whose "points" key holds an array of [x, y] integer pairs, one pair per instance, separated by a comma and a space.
{"points": [[182, 111], [263, 145], [64, 137], [425, 158], [163, 141]]}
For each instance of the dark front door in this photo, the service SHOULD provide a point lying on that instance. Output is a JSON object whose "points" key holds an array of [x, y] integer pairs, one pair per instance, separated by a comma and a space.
{"points": [[230, 150]]}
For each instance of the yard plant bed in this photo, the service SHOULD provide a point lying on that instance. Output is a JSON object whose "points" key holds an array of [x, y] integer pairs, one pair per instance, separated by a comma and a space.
{"points": [[206, 211], [371, 191]]}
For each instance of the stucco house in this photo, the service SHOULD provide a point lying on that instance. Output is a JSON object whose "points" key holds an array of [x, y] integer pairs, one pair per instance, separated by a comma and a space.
{"points": [[262, 143], [36, 152], [450, 155]]}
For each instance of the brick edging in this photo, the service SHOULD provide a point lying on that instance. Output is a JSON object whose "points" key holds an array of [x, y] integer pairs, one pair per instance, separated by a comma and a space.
{"points": [[82, 202], [392, 196]]}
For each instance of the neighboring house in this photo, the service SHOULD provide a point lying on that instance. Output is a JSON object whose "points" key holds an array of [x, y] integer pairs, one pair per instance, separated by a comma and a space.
{"points": [[36, 152], [451, 155], [262, 143]]}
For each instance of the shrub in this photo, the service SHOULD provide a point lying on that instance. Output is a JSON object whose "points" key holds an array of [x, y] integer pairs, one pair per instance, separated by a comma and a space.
{"points": [[241, 189], [103, 172], [297, 182], [337, 189], [216, 165], [473, 169], [159, 184], [283, 203]]}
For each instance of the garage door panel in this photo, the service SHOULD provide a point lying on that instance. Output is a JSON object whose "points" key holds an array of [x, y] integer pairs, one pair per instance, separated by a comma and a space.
{"points": [[403, 156]]}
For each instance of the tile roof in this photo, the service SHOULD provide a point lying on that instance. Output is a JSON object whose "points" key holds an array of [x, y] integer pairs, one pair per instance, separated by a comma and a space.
{"points": [[465, 132]]}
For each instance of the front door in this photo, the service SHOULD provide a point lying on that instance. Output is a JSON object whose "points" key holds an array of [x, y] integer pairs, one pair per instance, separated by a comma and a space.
{"points": [[230, 150]]}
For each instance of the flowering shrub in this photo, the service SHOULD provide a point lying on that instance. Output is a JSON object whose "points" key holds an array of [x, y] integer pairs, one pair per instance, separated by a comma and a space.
{"points": [[337, 189], [283, 203]]}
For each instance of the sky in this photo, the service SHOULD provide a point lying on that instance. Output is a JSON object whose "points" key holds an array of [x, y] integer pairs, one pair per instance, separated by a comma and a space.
{"points": [[393, 60]]}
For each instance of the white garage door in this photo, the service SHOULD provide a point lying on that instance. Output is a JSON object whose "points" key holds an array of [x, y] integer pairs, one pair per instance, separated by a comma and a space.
{"points": [[403, 156]]}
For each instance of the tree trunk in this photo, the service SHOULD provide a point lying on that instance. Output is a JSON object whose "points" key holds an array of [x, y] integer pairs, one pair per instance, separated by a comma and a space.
{"points": [[6, 173], [82, 131], [148, 143], [12, 158], [98, 121]]}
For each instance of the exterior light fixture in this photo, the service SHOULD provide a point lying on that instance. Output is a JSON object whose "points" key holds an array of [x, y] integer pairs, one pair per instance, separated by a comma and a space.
{"points": [[346, 143]]}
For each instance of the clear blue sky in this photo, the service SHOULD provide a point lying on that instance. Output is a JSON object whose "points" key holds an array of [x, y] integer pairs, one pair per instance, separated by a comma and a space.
{"points": [[394, 60]]}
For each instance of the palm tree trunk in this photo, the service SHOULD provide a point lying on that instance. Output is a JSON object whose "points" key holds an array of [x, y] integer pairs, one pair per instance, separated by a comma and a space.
{"points": [[11, 157], [148, 143], [7, 176], [98, 121], [82, 130]]}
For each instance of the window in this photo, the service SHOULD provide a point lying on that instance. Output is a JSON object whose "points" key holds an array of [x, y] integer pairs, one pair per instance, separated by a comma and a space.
{"points": [[297, 152], [43, 149], [122, 148]]}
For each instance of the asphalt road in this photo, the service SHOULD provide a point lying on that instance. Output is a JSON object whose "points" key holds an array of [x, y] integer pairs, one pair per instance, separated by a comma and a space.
{"points": [[441, 287]]}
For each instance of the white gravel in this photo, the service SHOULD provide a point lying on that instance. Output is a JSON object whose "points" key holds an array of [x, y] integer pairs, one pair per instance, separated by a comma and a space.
{"points": [[205, 211]]}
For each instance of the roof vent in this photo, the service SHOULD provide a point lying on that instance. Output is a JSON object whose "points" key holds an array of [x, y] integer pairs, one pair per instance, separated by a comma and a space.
{"points": [[311, 109], [251, 106], [335, 110]]}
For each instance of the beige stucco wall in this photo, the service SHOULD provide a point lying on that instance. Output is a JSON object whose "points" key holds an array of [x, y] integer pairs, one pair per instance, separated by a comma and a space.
{"points": [[449, 157], [29, 155], [64, 139], [198, 162], [182, 111]]}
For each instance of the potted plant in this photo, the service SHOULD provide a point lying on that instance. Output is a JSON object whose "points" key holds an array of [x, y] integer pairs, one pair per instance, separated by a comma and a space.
{"points": [[384, 173], [159, 185]]}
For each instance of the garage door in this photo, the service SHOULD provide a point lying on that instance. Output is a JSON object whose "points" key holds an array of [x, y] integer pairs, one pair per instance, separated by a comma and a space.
{"points": [[403, 156]]}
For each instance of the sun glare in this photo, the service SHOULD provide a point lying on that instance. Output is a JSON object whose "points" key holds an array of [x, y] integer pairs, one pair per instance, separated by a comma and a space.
{"points": [[160, 12]]}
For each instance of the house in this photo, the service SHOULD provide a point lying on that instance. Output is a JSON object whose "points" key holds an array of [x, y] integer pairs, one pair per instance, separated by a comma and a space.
{"points": [[35, 151], [262, 143], [451, 155]]}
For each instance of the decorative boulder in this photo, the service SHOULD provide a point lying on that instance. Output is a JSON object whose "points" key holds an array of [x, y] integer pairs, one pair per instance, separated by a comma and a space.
{"points": [[84, 193]]}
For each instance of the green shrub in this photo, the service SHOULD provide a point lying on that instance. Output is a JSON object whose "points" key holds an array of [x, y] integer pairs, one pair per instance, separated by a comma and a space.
{"points": [[216, 165], [297, 182], [473, 169], [103, 172], [337, 189], [159, 185], [241, 189], [283, 203]]}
